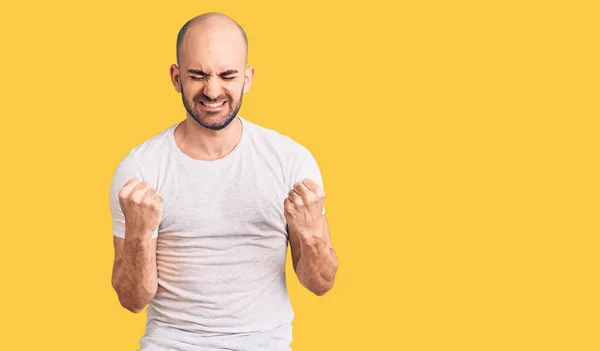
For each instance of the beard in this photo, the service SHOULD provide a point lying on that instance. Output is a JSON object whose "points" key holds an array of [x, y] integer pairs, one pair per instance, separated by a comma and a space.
{"points": [[203, 120]]}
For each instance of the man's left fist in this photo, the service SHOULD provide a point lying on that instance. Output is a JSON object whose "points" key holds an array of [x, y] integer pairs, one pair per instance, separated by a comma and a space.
{"points": [[303, 208]]}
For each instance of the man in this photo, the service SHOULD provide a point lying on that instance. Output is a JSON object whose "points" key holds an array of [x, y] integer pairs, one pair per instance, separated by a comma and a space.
{"points": [[203, 211]]}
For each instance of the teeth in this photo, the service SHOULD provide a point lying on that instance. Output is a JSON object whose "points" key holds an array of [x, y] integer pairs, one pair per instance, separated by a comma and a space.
{"points": [[213, 105]]}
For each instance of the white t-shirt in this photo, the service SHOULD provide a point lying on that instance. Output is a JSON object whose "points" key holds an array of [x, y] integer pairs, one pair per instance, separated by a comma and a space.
{"points": [[222, 240]]}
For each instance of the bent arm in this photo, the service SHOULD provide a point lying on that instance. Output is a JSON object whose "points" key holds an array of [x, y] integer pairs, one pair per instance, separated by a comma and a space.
{"points": [[314, 259], [134, 276]]}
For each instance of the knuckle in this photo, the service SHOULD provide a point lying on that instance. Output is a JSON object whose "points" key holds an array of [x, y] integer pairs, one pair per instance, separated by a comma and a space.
{"points": [[148, 199], [131, 182]]}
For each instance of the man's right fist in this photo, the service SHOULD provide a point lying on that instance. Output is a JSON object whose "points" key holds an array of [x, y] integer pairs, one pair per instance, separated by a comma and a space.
{"points": [[142, 208]]}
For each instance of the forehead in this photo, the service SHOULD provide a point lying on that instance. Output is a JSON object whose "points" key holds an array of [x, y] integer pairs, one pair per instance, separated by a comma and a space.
{"points": [[213, 49]]}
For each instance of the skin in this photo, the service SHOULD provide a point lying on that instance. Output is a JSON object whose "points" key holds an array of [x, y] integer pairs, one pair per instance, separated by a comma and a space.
{"points": [[313, 257], [134, 271], [212, 68]]}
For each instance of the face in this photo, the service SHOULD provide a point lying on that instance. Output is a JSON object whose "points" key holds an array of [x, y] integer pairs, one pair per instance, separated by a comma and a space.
{"points": [[212, 113], [212, 77]]}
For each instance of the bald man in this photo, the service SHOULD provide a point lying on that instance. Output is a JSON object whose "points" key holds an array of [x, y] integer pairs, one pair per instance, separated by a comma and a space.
{"points": [[203, 211]]}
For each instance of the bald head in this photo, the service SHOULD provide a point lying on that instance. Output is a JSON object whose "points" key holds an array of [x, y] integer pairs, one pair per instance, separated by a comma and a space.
{"points": [[211, 24]]}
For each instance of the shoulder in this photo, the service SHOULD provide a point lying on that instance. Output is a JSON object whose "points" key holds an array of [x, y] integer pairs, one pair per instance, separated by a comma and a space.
{"points": [[275, 142], [143, 156], [296, 160], [149, 149]]}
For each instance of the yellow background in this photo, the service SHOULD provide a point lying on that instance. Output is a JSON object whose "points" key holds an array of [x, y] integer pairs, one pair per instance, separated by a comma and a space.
{"points": [[458, 142]]}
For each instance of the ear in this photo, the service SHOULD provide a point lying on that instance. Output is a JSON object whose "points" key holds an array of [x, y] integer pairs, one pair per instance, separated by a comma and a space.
{"points": [[248, 77], [175, 77]]}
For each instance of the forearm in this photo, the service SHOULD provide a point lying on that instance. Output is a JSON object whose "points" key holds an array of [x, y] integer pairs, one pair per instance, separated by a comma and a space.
{"points": [[317, 265], [135, 277]]}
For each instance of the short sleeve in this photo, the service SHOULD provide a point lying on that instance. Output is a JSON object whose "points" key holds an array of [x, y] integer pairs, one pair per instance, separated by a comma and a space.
{"points": [[303, 165], [126, 170]]}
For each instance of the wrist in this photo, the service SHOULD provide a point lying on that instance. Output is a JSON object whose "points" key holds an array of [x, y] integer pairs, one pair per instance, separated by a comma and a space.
{"points": [[138, 235], [312, 240], [310, 230], [135, 239]]}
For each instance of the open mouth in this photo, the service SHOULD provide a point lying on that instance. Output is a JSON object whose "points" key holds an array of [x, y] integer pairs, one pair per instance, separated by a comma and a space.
{"points": [[213, 106]]}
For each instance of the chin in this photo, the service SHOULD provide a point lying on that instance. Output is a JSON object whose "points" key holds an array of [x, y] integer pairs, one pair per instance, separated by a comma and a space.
{"points": [[216, 122]]}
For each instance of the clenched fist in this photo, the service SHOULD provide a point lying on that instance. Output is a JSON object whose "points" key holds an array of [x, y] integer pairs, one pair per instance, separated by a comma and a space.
{"points": [[142, 208], [303, 208]]}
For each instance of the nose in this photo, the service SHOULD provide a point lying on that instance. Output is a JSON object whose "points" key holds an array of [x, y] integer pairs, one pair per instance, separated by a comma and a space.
{"points": [[212, 89]]}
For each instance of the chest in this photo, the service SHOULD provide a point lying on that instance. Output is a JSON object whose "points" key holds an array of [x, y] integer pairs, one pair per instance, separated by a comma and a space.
{"points": [[233, 201]]}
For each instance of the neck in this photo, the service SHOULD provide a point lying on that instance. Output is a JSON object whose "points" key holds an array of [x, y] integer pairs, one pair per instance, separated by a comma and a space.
{"points": [[202, 143]]}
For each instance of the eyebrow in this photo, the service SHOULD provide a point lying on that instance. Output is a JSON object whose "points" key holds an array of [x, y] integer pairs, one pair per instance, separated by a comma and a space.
{"points": [[228, 72], [198, 72], [202, 73]]}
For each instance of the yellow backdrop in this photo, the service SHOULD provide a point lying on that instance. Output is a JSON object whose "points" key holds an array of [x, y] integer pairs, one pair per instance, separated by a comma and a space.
{"points": [[458, 141]]}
